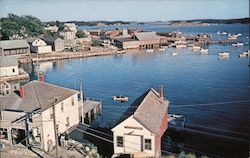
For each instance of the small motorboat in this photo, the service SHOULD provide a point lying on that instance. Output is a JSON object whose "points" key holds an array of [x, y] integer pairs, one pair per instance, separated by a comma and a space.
{"points": [[174, 54], [162, 49], [204, 51], [149, 50], [237, 44], [244, 54], [181, 46], [196, 48], [221, 33], [223, 55], [120, 98]]}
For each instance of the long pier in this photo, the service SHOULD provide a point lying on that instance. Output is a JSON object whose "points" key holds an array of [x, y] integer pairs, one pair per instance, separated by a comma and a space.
{"points": [[64, 55]]}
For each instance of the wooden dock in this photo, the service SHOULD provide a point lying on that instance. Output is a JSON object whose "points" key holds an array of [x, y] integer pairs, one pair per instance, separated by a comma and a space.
{"points": [[64, 55]]}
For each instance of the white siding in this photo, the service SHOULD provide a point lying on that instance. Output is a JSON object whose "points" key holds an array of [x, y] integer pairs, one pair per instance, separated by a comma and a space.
{"points": [[8, 71], [68, 111], [132, 136]]}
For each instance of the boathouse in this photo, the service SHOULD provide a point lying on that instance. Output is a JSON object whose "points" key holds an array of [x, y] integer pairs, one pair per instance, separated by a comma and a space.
{"points": [[147, 40], [38, 45], [14, 47], [56, 43], [126, 43], [143, 124]]}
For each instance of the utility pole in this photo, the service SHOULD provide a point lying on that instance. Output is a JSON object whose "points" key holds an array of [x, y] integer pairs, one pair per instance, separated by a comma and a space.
{"points": [[38, 71], [27, 128], [55, 129]]}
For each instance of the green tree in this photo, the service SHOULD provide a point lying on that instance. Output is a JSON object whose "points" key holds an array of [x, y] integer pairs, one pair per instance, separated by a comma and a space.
{"points": [[80, 34], [96, 43]]}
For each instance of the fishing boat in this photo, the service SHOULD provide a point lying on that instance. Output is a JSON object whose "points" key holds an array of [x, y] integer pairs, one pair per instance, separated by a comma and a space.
{"points": [[244, 54], [162, 49], [232, 36], [204, 51], [120, 98], [149, 50], [196, 48], [222, 33], [174, 54], [223, 55], [237, 44], [181, 46]]}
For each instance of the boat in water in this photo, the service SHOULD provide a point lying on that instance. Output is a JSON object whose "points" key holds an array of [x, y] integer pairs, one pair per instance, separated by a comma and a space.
{"points": [[149, 50], [223, 55], [196, 48], [162, 49], [204, 51], [174, 54], [244, 54], [181, 46], [221, 33], [237, 44], [120, 98]]}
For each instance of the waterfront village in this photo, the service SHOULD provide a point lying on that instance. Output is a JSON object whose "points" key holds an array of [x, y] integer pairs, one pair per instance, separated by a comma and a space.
{"points": [[39, 119]]}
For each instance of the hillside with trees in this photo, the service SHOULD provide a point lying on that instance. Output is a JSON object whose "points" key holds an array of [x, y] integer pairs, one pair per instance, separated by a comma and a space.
{"points": [[15, 26]]}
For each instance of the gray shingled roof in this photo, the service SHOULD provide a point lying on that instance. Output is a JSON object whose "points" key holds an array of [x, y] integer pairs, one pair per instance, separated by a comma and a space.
{"points": [[10, 101], [40, 94], [151, 111], [125, 39], [31, 39], [51, 39], [13, 44], [148, 109], [146, 36], [7, 61]]}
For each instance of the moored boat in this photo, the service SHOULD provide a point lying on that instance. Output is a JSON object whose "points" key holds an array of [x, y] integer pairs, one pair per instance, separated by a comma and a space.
{"points": [[237, 44], [149, 50], [120, 98], [174, 54], [196, 48], [221, 33], [204, 51], [244, 54], [223, 55]]}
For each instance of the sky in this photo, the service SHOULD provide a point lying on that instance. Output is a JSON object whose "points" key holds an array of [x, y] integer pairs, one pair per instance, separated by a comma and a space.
{"points": [[126, 10]]}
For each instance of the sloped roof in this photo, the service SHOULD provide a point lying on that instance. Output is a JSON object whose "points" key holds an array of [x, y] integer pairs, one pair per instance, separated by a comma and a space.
{"points": [[40, 95], [146, 36], [10, 101], [31, 39], [149, 110], [7, 61], [51, 39], [13, 44]]}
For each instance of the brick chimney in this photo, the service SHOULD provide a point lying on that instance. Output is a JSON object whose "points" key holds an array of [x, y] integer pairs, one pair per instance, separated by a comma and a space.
{"points": [[41, 78], [161, 92], [22, 92]]}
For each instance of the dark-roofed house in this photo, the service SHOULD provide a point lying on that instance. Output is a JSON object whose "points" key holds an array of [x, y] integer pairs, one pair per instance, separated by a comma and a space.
{"points": [[56, 43], [8, 66], [38, 98], [14, 47], [148, 40], [142, 128]]}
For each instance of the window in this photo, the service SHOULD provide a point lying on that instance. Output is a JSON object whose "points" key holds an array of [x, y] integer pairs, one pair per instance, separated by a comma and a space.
{"points": [[147, 144], [57, 127], [67, 122], [13, 70], [119, 141], [72, 101], [62, 107]]}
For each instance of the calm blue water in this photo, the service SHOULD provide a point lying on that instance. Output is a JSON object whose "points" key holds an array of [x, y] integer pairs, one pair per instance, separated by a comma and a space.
{"points": [[188, 78]]}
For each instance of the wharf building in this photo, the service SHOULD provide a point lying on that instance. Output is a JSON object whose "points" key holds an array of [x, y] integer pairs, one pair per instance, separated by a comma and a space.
{"points": [[14, 47], [141, 40]]}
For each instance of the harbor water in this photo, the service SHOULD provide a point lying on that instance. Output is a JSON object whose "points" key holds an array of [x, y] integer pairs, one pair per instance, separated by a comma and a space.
{"points": [[191, 82]]}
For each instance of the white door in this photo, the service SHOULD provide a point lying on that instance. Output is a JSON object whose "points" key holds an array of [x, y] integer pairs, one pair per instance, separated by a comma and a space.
{"points": [[132, 143]]}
